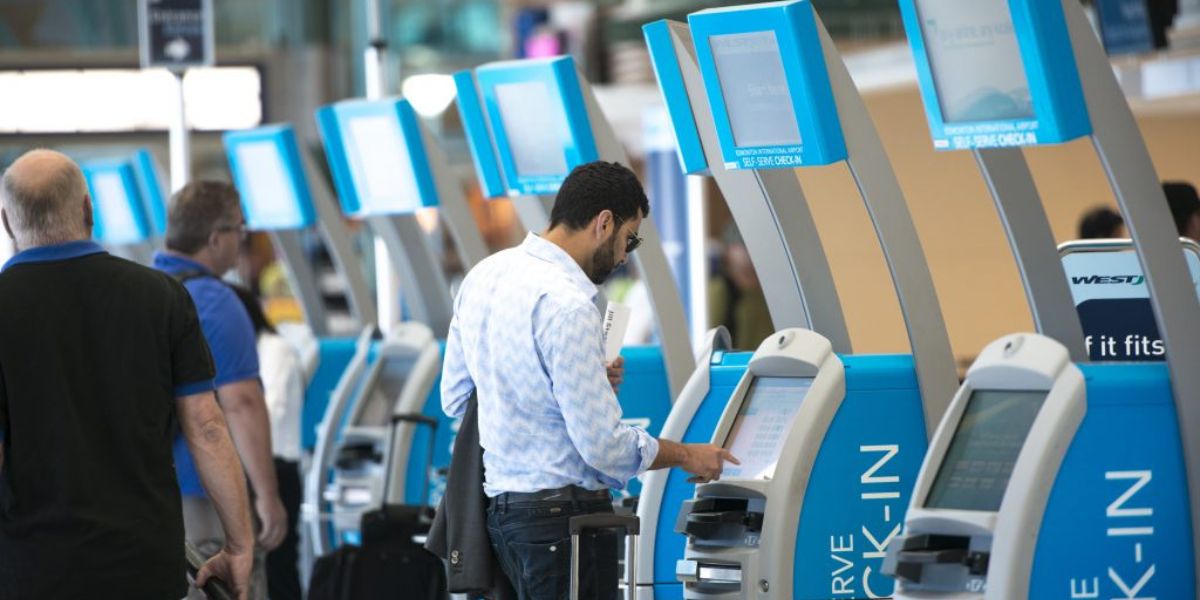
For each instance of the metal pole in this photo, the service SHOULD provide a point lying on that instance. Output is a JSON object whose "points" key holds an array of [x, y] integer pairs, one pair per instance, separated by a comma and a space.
{"points": [[178, 139], [387, 282], [697, 239]]}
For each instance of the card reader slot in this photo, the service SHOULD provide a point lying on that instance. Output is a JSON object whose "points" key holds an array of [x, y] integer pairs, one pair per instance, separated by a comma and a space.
{"points": [[920, 551], [353, 456]]}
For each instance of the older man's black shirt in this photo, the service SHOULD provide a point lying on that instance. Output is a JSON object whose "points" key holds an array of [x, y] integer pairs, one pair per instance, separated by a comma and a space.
{"points": [[94, 350]]}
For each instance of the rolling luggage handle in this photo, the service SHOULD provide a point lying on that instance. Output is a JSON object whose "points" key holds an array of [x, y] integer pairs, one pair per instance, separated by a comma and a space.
{"points": [[417, 419], [632, 526]]}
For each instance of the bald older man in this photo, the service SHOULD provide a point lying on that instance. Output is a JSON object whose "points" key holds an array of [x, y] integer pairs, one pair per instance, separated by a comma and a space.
{"points": [[100, 358]]}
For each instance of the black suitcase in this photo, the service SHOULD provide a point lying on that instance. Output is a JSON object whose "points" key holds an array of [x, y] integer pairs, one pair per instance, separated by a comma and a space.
{"points": [[390, 564]]}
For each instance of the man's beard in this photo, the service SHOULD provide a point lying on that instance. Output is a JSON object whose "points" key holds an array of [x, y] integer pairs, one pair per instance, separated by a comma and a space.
{"points": [[604, 260]]}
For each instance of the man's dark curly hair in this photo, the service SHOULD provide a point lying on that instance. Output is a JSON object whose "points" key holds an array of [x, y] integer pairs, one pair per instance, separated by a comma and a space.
{"points": [[594, 187]]}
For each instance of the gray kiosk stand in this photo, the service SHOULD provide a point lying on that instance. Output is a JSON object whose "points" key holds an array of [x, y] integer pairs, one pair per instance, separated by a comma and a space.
{"points": [[787, 252], [1057, 519], [587, 135]]}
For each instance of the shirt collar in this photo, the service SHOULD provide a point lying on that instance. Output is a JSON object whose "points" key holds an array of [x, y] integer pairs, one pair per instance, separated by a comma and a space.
{"points": [[550, 252], [176, 263], [54, 252]]}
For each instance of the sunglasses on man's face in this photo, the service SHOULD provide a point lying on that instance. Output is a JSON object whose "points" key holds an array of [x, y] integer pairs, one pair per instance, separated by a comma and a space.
{"points": [[632, 241]]}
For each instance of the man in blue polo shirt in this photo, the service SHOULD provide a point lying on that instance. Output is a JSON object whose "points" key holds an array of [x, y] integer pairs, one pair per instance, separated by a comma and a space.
{"points": [[205, 229]]}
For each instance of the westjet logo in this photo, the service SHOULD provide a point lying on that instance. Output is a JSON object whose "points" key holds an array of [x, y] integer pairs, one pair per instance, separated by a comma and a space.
{"points": [[1109, 280]]}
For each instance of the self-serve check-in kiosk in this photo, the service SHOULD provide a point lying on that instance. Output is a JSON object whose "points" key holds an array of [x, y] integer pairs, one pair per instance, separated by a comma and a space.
{"points": [[1107, 512], [127, 203], [528, 123], [279, 196], [750, 90], [387, 167], [357, 465]]}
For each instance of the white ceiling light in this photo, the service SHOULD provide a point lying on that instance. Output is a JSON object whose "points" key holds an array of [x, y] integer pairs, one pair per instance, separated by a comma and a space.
{"points": [[429, 93], [119, 100]]}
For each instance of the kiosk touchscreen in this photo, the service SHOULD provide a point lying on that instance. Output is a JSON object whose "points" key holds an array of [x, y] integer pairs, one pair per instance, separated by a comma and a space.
{"points": [[120, 214], [742, 528], [1002, 440], [359, 449]]}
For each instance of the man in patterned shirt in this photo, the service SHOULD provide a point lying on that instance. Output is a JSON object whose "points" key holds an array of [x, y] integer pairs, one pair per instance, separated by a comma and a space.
{"points": [[526, 336]]}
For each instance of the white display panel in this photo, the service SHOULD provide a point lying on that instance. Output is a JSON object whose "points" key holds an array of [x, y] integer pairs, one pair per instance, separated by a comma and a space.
{"points": [[979, 462], [976, 62], [762, 425], [268, 190], [113, 203], [755, 89], [535, 127], [382, 167]]}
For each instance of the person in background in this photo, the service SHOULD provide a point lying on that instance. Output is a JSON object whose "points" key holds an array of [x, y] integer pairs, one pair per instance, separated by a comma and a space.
{"points": [[735, 296], [1101, 222], [205, 230], [1185, 208], [101, 359], [283, 386]]}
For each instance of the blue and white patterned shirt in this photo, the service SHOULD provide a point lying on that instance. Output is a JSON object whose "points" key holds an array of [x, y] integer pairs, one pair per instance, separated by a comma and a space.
{"points": [[527, 335]]}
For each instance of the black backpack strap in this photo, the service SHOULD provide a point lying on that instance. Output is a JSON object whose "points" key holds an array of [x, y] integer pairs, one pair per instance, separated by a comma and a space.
{"points": [[186, 276]]}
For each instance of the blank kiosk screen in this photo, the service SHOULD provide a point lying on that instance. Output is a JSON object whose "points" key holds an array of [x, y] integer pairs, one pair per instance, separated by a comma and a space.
{"points": [[755, 89], [381, 162], [115, 210], [534, 127], [762, 425], [270, 189], [980, 460], [977, 66]]}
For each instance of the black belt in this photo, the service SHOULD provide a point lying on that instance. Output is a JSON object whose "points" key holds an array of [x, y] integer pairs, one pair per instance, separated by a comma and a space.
{"points": [[570, 493]]}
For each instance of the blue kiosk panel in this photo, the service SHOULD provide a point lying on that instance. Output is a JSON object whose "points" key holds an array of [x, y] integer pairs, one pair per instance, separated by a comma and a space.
{"points": [[150, 185], [119, 214], [861, 482], [475, 126], [270, 177], [1117, 524], [674, 92], [995, 73], [539, 121], [764, 72], [377, 157], [725, 372]]}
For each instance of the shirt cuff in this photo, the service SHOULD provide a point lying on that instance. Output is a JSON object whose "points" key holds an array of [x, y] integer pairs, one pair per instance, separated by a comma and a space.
{"points": [[196, 387], [648, 448]]}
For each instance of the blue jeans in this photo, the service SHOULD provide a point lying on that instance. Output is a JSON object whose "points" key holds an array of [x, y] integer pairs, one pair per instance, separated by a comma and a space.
{"points": [[533, 543]]}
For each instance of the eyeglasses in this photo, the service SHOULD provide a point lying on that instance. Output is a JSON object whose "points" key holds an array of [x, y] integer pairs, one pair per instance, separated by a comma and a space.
{"points": [[240, 228], [632, 242]]}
